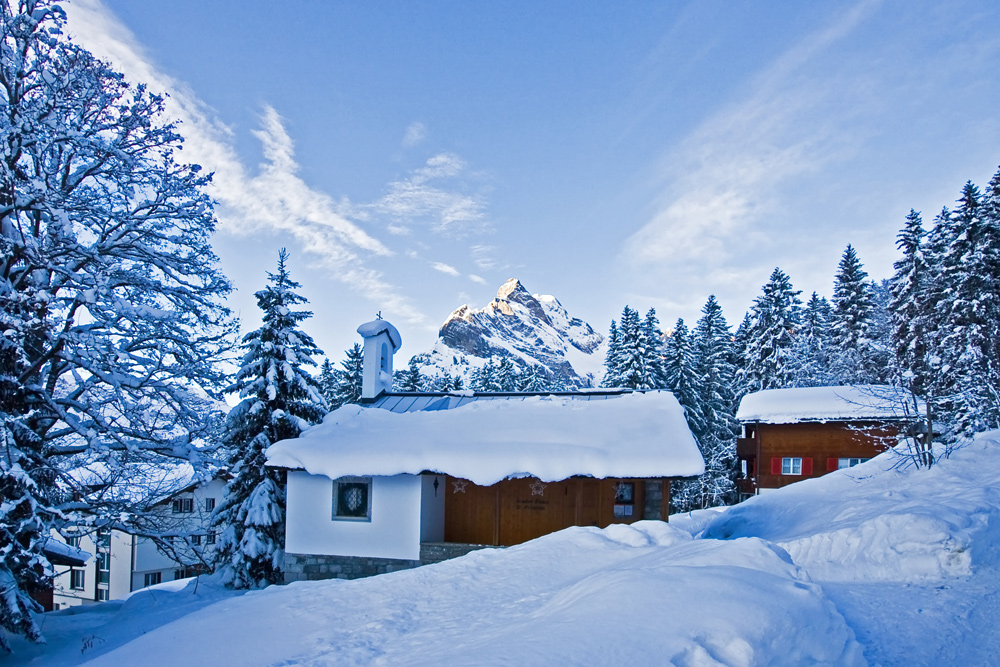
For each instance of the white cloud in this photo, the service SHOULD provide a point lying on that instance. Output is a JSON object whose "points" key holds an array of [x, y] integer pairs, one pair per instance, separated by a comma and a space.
{"points": [[444, 268], [727, 174], [484, 256], [276, 198], [477, 279], [415, 134], [420, 197]]}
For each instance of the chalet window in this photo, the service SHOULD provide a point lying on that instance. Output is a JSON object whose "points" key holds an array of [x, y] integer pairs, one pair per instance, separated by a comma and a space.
{"points": [[102, 594], [151, 579], [352, 499], [849, 463], [77, 579], [196, 539], [791, 466], [210, 538], [183, 505], [209, 504]]}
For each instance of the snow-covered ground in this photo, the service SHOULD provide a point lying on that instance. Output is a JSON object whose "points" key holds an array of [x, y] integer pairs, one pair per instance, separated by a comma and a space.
{"points": [[878, 564]]}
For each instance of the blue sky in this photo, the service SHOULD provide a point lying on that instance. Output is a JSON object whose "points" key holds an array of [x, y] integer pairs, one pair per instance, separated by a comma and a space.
{"points": [[413, 156]]}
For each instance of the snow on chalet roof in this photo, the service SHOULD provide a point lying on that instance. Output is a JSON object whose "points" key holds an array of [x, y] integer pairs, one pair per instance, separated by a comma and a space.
{"points": [[789, 406], [551, 437]]}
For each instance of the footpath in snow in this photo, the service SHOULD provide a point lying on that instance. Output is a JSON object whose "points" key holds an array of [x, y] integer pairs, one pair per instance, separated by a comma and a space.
{"points": [[878, 564]]}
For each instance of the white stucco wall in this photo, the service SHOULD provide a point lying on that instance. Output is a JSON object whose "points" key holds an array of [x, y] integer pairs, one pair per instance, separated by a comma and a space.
{"points": [[393, 532], [432, 508]]}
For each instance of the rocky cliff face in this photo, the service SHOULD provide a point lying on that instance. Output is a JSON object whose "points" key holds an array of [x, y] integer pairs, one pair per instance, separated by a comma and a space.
{"points": [[529, 329]]}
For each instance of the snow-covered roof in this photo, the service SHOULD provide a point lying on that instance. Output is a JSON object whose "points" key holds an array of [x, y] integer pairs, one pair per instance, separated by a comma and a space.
{"points": [[375, 327], [60, 553], [417, 401], [789, 406], [550, 437], [145, 483]]}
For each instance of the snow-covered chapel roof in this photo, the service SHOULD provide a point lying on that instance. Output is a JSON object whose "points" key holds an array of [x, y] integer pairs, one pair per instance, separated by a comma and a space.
{"points": [[551, 437], [843, 403]]}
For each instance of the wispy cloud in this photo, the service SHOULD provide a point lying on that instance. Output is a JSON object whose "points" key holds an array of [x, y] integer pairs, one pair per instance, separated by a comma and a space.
{"points": [[421, 197], [484, 256], [477, 279], [275, 198], [415, 134], [726, 175], [444, 268]]}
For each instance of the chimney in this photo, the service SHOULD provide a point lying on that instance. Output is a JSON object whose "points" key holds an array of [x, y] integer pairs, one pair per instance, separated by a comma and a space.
{"points": [[381, 342]]}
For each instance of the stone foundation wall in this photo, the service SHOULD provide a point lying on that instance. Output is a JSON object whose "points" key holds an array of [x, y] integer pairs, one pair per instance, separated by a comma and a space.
{"points": [[312, 567], [654, 498]]}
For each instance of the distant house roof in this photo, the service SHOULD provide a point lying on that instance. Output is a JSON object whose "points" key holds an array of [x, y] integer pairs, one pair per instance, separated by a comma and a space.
{"points": [[62, 554], [488, 437], [843, 403]]}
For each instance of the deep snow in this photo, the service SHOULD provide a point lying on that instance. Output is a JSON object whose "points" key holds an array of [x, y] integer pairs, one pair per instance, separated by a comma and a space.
{"points": [[877, 564]]}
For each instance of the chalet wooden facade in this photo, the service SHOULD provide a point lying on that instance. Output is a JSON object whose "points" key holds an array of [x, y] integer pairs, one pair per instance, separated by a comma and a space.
{"points": [[794, 434], [513, 511], [406, 477]]}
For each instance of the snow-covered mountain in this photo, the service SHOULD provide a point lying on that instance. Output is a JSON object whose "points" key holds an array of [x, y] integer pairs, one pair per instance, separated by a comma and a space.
{"points": [[529, 329]]}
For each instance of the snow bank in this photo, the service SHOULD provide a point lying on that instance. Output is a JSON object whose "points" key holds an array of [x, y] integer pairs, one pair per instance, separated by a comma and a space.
{"points": [[646, 594], [550, 437], [882, 521], [788, 406]]}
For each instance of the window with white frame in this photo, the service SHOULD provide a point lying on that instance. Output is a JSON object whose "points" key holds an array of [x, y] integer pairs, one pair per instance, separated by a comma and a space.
{"points": [[209, 504], [791, 465], [103, 567], [102, 594], [152, 578], [77, 579], [352, 499], [849, 462], [210, 538]]}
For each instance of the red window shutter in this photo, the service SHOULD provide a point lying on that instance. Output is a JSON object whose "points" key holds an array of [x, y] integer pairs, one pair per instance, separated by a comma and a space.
{"points": [[807, 465], [776, 466], [832, 464]]}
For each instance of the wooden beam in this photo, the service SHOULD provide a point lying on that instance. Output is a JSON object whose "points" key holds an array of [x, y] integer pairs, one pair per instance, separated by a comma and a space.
{"points": [[665, 500]]}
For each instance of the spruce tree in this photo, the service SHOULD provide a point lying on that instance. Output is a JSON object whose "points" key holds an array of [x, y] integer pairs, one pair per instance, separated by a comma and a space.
{"points": [[717, 430], [533, 378], [854, 357], [612, 372], [328, 382], [413, 379], [350, 377], [507, 375], [908, 287], [681, 374], [811, 352], [280, 400], [654, 347], [775, 319]]}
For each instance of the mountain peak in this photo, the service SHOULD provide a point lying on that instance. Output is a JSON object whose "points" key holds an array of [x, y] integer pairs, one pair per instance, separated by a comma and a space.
{"points": [[511, 287], [531, 330]]}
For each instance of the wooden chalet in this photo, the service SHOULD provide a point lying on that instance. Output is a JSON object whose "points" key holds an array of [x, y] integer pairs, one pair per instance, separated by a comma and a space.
{"points": [[409, 478], [794, 434]]}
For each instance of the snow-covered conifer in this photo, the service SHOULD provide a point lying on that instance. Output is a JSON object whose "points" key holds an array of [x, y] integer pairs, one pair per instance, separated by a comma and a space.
{"points": [[775, 319], [716, 435], [612, 374], [811, 352], [681, 374], [350, 377], [413, 379], [328, 382], [280, 400], [507, 375], [853, 356]]}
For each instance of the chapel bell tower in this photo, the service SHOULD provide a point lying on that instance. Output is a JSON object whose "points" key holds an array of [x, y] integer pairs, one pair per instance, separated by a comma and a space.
{"points": [[381, 342]]}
